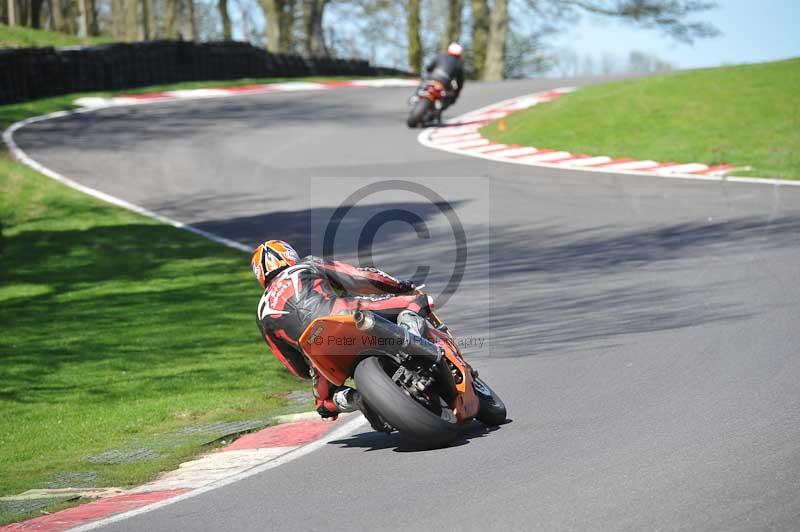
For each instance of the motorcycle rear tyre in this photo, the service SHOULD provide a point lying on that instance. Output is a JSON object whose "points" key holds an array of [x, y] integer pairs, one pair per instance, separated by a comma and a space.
{"points": [[399, 409], [418, 112]]}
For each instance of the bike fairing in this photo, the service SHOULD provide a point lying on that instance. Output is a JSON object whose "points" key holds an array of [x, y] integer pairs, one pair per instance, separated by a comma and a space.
{"points": [[316, 287]]}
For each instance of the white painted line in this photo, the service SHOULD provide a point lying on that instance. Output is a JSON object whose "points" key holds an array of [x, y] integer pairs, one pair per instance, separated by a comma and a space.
{"points": [[544, 157], [457, 139], [489, 116], [454, 131], [94, 101], [632, 165], [390, 82], [589, 161], [340, 432], [511, 152], [298, 86], [490, 147], [469, 144], [682, 169], [199, 93]]}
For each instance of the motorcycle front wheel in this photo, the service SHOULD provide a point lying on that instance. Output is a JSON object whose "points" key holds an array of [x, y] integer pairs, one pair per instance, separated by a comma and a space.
{"points": [[428, 422], [492, 409]]}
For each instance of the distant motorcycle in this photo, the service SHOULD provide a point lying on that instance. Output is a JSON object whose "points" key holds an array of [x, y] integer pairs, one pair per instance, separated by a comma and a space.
{"points": [[426, 104]]}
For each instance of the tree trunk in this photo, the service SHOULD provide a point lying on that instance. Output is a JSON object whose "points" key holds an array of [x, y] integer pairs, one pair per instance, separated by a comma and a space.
{"points": [[117, 19], [480, 36], [70, 17], [190, 21], [272, 23], [452, 32], [287, 25], [153, 7], [414, 39], [171, 19], [313, 33], [91, 17], [132, 20], [57, 15], [12, 12], [279, 15], [36, 13], [222, 6], [83, 18], [496, 48], [22, 13], [146, 30]]}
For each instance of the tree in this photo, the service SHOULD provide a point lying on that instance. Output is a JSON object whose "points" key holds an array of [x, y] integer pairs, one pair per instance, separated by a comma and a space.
{"points": [[222, 6], [669, 16], [452, 31], [313, 34], [480, 35], [414, 39], [12, 12], [279, 15], [188, 20], [496, 47], [36, 14], [172, 18], [83, 18], [57, 15]]}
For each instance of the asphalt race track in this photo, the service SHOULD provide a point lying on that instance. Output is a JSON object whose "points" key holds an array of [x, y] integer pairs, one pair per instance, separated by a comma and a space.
{"points": [[642, 331]]}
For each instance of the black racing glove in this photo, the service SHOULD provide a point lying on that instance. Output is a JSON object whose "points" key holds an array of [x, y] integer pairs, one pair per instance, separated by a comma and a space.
{"points": [[407, 286]]}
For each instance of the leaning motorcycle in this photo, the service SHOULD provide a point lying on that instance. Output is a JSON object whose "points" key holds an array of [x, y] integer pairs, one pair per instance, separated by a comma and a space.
{"points": [[421, 387], [426, 104]]}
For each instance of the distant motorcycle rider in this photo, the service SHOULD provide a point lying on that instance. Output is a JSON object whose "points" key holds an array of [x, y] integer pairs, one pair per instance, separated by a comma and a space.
{"points": [[448, 69], [298, 291]]}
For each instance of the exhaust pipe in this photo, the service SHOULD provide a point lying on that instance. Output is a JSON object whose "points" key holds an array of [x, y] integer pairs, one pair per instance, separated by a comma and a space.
{"points": [[407, 342]]}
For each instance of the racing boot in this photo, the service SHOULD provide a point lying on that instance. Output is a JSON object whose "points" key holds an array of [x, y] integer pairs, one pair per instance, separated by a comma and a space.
{"points": [[349, 399]]}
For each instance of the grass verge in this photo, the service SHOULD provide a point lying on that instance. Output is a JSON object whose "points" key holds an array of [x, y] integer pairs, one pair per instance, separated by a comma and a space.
{"points": [[18, 36], [120, 334], [124, 340], [748, 116]]}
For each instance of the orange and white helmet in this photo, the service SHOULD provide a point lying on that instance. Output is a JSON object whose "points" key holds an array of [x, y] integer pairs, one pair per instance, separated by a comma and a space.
{"points": [[455, 50], [270, 258]]}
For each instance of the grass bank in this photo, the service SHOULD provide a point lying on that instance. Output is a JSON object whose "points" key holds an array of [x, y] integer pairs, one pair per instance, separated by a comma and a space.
{"points": [[127, 346], [21, 37], [748, 116]]}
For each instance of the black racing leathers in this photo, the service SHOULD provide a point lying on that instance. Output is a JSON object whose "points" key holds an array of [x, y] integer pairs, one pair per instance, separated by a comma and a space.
{"points": [[450, 71], [315, 287]]}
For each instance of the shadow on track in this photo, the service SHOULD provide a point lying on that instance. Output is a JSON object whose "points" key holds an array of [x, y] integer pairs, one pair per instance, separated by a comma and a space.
{"points": [[377, 441], [552, 289]]}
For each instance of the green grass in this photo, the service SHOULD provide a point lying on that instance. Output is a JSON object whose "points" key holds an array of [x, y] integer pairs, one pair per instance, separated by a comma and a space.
{"points": [[117, 333], [19, 37], [747, 115]]}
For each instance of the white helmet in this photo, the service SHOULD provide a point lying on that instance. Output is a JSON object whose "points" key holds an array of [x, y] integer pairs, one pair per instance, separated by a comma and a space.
{"points": [[455, 50]]}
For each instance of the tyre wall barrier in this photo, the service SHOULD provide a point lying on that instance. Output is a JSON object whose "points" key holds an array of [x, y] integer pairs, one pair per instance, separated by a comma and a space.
{"points": [[31, 73]]}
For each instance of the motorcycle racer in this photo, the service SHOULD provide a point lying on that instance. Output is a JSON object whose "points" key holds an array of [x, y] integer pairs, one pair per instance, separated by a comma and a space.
{"points": [[448, 69], [298, 291]]}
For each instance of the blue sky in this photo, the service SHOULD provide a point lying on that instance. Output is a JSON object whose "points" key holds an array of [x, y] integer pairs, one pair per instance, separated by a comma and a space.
{"points": [[752, 31]]}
